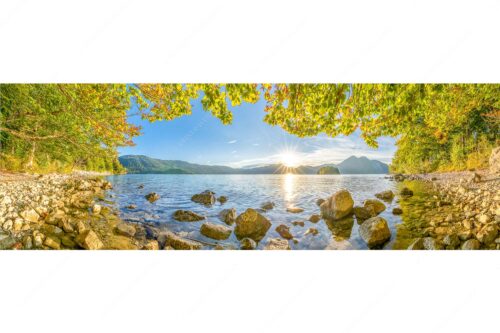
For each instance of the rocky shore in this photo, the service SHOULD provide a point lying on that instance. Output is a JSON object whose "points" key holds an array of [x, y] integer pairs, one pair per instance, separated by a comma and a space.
{"points": [[63, 212]]}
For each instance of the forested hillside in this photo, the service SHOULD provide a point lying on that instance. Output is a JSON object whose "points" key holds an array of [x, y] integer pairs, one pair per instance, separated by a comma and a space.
{"points": [[62, 127]]}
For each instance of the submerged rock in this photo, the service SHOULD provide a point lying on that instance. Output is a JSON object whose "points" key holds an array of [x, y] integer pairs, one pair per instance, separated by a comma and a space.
{"points": [[284, 231], [251, 224], [267, 205], [152, 197], [205, 198], [320, 201], [187, 216], [338, 205], [314, 218], [247, 244], [406, 192], [375, 231], [222, 199], [385, 195], [374, 205], [298, 223], [397, 211], [228, 216], [312, 231], [131, 206], [215, 231], [277, 244], [294, 210]]}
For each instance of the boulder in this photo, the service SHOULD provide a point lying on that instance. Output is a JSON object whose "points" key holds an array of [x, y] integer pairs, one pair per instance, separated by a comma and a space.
{"points": [[277, 244], [152, 197], [187, 216], [337, 206], [215, 231], [178, 243], [205, 198], [267, 205], [471, 244], [125, 229], [228, 216], [362, 213], [406, 192], [385, 195], [247, 244], [487, 234], [314, 218], [89, 240], [397, 211], [495, 161], [320, 201], [222, 199], [284, 231], [251, 224], [294, 210], [375, 231], [374, 205]]}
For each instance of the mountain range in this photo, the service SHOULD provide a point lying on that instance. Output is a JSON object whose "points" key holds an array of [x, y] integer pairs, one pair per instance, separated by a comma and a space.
{"points": [[352, 165]]}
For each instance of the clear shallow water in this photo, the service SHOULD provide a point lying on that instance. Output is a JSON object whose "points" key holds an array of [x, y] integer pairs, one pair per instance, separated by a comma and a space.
{"points": [[250, 191]]}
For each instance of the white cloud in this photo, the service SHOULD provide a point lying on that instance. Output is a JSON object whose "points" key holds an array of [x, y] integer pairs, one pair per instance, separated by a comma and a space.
{"points": [[232, 141]]}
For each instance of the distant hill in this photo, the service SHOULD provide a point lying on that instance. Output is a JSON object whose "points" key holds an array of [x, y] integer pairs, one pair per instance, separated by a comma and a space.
{"points": [[328, 170], [362, 165], [145, 164]]}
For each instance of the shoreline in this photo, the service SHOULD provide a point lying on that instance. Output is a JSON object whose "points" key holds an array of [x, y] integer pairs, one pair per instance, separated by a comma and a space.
{"points": [[68, 211]]}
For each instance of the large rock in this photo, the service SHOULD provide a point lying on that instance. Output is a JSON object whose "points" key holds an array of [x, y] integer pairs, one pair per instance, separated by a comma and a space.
{"points": [[174, 241], [385, 195], [89, 240], [228, 216], [187, 216], [215, 231], [374, 205], [314, 218], [152, 197], [362, 213], [406, 192], [251, 224], [338, 205], [284, 231], [375, 231], [52, 242], [206, 198], [277, 244], [432, 244], [495, 161]]}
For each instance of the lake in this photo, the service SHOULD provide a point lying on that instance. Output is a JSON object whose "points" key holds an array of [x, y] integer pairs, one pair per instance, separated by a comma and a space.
{"points": [[250, 191]]}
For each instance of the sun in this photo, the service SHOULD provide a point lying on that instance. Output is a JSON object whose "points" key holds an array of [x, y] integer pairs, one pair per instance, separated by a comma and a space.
{"points": [[289, 159]]}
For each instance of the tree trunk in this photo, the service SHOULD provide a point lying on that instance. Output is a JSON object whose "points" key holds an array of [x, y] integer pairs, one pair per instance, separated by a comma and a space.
{"points": [[31, 160]]}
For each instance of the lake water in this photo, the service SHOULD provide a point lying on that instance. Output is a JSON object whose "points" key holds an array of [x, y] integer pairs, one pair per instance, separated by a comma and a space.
{"points": [[250, 191]]}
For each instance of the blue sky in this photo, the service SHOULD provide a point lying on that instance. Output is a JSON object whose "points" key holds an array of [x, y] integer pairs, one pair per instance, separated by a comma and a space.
{"points": [[201, 138]]}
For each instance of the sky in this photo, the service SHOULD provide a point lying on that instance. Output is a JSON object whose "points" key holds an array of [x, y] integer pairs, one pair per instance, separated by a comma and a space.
{"points": [[201, 138]]}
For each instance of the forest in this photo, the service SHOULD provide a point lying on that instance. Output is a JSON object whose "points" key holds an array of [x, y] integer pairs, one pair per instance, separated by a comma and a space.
{"points": [[67, 127]]}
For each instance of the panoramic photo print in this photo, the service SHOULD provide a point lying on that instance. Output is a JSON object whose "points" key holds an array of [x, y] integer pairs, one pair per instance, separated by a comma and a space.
{"points": [[249, 166]]}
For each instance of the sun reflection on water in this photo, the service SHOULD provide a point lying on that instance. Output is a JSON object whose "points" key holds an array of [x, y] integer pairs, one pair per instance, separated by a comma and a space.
{"points": [[289, 186]]}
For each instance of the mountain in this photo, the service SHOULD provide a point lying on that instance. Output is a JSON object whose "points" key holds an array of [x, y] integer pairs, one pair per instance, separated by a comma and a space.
{"points": [[362, 165], [145, 164]]}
